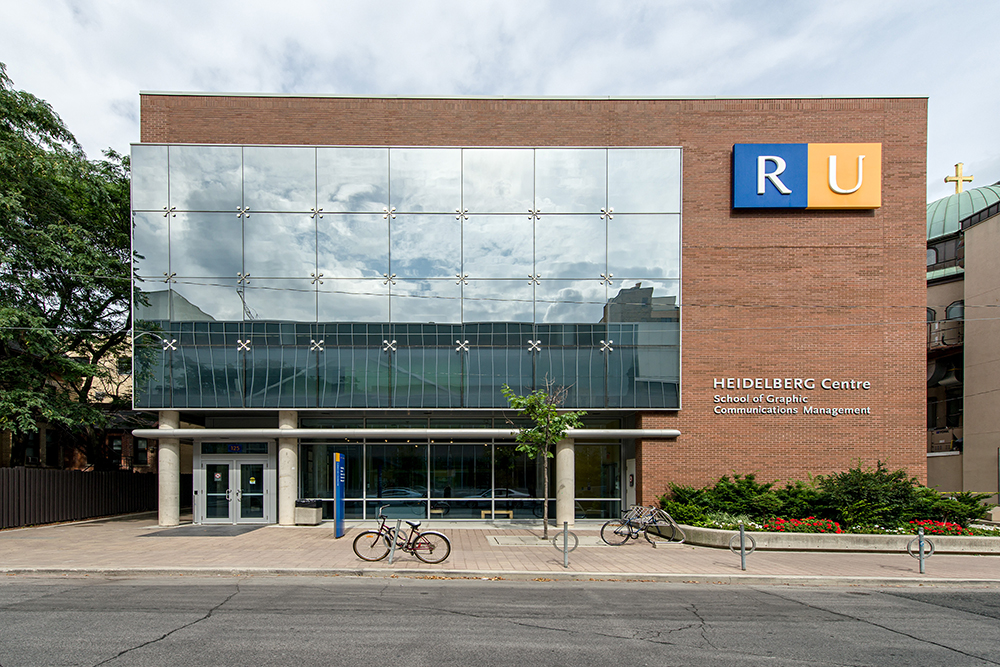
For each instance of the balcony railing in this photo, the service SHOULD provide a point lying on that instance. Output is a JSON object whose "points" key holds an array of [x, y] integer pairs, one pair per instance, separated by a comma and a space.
{"points": [[945, 333]]}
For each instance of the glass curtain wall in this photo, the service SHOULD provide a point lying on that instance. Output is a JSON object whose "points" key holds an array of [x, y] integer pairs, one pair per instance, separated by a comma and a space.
{"points": [[465, 480], [298, 277]]}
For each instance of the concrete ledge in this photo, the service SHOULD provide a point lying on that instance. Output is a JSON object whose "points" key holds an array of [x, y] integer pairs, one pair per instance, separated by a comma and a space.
{"points": [[943, 544]]}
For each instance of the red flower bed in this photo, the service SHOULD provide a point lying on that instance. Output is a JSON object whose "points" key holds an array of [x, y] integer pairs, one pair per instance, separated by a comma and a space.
{"points": [[808, 525], [939, 528]]}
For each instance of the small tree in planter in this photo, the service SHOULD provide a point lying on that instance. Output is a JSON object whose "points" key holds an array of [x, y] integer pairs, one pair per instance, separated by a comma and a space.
{"points": [[550, 425]]}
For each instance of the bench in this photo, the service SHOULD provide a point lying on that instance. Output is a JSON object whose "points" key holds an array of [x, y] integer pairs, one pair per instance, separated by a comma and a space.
{"points": [[485, 514]]}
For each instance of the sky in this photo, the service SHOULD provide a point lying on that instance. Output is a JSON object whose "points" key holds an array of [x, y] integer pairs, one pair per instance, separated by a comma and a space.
{"points": [[90, 58]]}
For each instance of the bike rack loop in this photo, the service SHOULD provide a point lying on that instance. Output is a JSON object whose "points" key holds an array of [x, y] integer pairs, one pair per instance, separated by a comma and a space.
{"points": [[743, 552], [395, 538], [921, 554]]}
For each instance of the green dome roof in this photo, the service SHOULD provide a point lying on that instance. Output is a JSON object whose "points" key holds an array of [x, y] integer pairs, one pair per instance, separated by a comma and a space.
{"points": [[944, 214]]}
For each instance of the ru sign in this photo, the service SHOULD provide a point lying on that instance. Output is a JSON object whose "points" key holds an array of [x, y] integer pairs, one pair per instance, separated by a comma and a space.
{"points": [[832, 176]]}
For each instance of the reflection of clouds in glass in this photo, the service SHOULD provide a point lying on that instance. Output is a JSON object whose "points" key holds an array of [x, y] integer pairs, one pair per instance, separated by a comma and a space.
{"points": [[279, 178], [644, 180], [425, 179], [570, 180], [286, 300], [149, 239], [438, 301], [279, 246], [353, 179], [497, 301], [206, 178], [353, 301], [645, 245], [149, 177], [497, 180], [425, 246], [206, 244], [570, 246], [660, 287], [563, 301], [353, 246], [218, 301], [498, 246]]}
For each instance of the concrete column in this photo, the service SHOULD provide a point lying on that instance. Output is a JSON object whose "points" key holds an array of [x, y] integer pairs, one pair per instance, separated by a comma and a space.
{"points": [[168, 471], [288, 466], [565, 482]]}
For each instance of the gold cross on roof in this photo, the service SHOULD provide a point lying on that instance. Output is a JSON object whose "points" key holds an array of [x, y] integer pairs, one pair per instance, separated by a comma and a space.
{"points": [[958, 178]]}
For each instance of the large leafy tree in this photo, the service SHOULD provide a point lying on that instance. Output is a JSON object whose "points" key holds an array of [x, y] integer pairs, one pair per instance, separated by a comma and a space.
{"points": [[548, 426], [65, 282]]}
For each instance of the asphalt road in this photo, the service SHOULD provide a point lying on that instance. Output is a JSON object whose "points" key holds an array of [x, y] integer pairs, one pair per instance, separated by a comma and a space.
{"points": [[303, 621]]}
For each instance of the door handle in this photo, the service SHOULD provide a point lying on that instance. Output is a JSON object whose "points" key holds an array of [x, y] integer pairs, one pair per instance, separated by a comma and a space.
{"points": [[229, 494], [239, 495]]}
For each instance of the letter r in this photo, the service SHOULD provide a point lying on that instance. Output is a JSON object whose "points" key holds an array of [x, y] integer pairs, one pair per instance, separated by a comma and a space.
{"points": [[762, 173]]}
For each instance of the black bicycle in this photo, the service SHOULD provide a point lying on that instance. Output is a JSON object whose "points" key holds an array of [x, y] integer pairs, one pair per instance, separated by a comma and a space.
{"points": [[651, 522], [429, 546]]}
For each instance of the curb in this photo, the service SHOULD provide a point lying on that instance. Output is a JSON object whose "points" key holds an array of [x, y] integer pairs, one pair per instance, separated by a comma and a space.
{"points": [[539, 576]]}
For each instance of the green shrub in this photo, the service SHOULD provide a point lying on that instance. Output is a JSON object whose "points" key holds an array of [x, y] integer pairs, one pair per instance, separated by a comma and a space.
{"points": [[691, 515], [866, 496]]}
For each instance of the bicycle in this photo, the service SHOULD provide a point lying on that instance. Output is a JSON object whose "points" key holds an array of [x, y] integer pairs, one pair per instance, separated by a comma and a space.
{"points": [[429, 546], [652, 522]]}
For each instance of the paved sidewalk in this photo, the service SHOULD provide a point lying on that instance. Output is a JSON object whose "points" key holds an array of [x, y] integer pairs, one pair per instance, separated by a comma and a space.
{"points": [[135, 545]]}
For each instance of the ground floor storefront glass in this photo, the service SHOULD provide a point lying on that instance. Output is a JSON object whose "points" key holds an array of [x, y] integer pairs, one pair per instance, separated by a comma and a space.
{"points": [[455, 481]]}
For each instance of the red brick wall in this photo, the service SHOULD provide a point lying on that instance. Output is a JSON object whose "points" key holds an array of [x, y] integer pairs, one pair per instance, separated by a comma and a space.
{"points": [[811, 294]]}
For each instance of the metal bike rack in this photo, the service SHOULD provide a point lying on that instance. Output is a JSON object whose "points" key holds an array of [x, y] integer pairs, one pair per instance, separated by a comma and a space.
{"points": [[920, 553], [743, 552]]}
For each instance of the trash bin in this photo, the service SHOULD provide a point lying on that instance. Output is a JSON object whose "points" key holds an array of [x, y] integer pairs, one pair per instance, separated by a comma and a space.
{"points": [[308, 512]]}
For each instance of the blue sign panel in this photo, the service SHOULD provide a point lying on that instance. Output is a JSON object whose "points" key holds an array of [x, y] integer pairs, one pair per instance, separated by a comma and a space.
{"points": [[339, 482], [770, 175]]}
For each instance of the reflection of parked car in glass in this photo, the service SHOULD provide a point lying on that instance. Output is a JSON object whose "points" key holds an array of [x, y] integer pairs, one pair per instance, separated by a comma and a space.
{"points": [[401, 492], [500, 493]]}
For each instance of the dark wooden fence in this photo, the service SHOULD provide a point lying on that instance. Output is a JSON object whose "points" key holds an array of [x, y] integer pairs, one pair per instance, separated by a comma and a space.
{"points": [[31, 496]]}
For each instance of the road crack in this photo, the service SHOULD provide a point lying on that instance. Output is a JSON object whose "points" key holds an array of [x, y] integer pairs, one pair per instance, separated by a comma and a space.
{"points": [[175, 630]]}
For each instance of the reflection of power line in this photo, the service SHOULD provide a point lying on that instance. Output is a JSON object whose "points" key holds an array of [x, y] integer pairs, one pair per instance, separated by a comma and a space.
{"points": [[248, 313]]}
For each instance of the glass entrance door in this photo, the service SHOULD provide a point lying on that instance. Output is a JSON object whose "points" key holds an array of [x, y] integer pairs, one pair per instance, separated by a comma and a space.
{"points": [[235, 492]]}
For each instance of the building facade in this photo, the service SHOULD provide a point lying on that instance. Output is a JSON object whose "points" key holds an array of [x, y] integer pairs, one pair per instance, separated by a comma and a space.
{"points": [[363, 275]]}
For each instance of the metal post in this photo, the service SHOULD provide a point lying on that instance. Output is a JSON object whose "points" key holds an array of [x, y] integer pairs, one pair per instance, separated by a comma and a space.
{"points": [[395, 537], [743, 549], [920, 543], [565, 543]]}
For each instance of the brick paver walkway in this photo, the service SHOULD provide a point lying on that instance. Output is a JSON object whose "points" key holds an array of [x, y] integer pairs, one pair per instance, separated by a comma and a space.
{"points": [[136, 545]]}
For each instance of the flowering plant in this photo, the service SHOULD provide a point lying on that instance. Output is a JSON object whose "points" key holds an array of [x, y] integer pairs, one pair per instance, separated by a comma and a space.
{"points": [[932, 527], [808, 525]]}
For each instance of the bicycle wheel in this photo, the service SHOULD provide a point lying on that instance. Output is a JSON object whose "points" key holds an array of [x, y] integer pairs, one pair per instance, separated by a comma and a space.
{"points": [[371, 545], [616, 532], [431, 547], [659, 531]]}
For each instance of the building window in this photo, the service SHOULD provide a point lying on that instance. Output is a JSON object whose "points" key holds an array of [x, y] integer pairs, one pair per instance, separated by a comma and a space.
{"points": [[953, 412], [141, 451], [932, 402], [931, 256], [955, 311], [931, 315]]}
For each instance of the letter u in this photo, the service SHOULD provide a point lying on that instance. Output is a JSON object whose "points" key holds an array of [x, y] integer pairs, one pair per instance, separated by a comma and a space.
{"points": [[833, 176]]}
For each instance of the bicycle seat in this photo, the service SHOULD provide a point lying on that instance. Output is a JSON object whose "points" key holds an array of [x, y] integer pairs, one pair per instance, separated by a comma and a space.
{"points": [[414, 524]]}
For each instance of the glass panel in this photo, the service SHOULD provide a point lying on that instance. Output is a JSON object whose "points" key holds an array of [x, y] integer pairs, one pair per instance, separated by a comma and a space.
{"points": [[579, 370], [353, 179], [425, 246], [353, 377], [647, 246], [151, 379], [644, 180], [398, 509], [396, 472], [284, 300], [572, 246], [598, 471], [316, 470], [489, 368], [353, 301], [498, 301], [498, 180], [279, 246], [216, 486], [207, 377], [353, 246], [206, 178], [252, 491], [206, 245], [157, 297], [150, 241], [432, 301], [637, 300], [498, 246], [516, 476], [211, 300], [279, 178], [460, 471], [645, 377], [149, 178], [570, 301], [598, 509], [278, 376], [427, 377], [425, 179], [570, 180]]}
